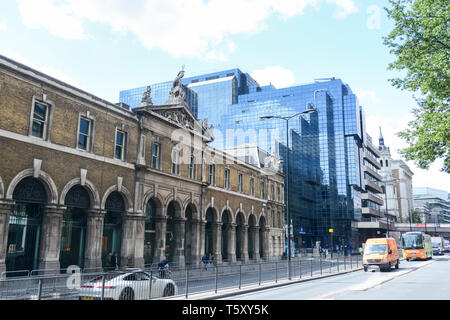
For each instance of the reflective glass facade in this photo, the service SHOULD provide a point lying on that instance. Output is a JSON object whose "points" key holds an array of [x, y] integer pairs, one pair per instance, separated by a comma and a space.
{"points": [[326, 171]]}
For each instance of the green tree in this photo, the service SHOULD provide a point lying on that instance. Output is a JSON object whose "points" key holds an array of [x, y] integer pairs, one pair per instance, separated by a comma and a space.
{"points": [[420, 41], [415, 217]]}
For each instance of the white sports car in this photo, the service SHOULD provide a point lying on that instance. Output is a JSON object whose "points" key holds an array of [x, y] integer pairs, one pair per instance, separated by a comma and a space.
{"points": [[135, 285]]}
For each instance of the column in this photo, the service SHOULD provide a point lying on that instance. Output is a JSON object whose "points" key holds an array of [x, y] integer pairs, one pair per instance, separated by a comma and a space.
{"points": [[94, 237], [255, 241], [197, 244], [50, 242], [266, 245], [232, 243], [244, 244], [141, 148], [132, 244], [179, 226], [5, 210], [217, 239], [160, 239], [139, 239]]}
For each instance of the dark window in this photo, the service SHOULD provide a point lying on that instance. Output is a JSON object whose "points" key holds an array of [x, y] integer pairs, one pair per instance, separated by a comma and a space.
{"points": [[120, 145], [40, 114], [84, 133], [155, 155]]}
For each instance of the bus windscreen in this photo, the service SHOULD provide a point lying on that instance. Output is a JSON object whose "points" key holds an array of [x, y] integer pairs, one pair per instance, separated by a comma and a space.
{"points": [[412, 241]]}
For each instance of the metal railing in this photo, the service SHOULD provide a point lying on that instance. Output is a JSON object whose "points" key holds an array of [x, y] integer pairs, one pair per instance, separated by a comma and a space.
{"points": [[181, 282]]}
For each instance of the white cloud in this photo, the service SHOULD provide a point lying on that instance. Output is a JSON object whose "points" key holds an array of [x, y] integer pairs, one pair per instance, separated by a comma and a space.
{"points": [[392, 125], [344, 8], [366, 97], [276, 75], [195, 28]]}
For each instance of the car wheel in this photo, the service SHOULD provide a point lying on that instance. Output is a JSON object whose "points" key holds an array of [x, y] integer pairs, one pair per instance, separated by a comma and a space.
{"points": [[169, 290], [365, 269], [127, 294]]}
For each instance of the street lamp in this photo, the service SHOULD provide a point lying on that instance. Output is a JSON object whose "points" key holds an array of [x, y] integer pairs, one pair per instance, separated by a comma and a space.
{"points": [[309, 111], [386, 201]]}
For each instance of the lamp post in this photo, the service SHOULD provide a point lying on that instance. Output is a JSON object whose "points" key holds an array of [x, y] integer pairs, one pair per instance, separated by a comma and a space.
{"points": [[288, 214]]}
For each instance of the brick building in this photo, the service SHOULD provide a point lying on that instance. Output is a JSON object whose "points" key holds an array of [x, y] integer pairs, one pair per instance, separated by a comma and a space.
{"points": [[81, 177]]}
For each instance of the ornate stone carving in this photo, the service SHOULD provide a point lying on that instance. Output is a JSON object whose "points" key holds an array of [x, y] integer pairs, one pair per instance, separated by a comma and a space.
{"points": [[177, 94], [147, 97], [178, 116]]}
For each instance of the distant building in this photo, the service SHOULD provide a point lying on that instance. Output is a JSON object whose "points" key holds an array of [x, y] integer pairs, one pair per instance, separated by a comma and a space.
{"points": [[373, 223], [398, 177], [433, 204]]}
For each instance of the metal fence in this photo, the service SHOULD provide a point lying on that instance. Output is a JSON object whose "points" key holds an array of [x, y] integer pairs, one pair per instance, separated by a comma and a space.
{"points": [[135, 284]]}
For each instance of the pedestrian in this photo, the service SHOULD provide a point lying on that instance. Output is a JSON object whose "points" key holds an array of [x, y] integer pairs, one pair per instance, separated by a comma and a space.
{"points": [[115, 261], [205, 262], [360, 250], [163, 268], [211, 259]]}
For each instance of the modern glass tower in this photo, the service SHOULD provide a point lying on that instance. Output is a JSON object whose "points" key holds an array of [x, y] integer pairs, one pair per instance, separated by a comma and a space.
{"points": [[326, 148]]}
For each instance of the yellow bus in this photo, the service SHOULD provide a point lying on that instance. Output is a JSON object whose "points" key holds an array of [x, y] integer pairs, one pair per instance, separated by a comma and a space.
{"points": [[417, 245]]}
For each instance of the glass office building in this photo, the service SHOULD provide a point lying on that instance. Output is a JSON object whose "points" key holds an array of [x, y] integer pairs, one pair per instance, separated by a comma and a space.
{"points": [[326, 171]]}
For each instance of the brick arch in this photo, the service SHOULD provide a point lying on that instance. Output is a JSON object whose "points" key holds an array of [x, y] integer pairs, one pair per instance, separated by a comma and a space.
{"points": [[231, 214], [149, 196], [124, 192], [215, 211], [49, 184], [179, 213], [92, 191]]}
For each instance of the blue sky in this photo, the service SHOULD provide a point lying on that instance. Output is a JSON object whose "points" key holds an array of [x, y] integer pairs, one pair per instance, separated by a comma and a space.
{"points": [[103, 49]]}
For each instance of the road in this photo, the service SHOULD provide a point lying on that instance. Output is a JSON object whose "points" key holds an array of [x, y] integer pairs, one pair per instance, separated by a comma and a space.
{"points": [[414, 280]]}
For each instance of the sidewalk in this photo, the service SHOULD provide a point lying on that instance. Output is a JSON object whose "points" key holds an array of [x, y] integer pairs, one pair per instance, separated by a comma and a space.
{"points": [[224, 293]]}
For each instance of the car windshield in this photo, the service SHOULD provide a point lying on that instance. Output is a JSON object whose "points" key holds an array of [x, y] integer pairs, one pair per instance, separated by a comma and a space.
{"points": [[375, 248], [412, 241]]}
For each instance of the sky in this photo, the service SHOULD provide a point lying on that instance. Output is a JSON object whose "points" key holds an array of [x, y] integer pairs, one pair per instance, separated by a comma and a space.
{"points": [[105, 46]]}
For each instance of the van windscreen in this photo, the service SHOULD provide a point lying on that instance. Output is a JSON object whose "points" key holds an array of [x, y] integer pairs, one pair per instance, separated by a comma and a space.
{"points": [[375, 249]]}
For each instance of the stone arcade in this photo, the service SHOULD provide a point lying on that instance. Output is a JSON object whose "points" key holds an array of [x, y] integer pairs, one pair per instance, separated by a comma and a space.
{"points": [[81, 177]]}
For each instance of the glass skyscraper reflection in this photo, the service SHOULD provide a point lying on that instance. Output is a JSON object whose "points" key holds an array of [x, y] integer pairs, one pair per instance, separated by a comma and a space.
{"points": [[326, 171]]}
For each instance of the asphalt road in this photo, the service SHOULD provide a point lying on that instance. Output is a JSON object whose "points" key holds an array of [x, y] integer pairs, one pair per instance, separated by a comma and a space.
{"points": [[414, 280]]}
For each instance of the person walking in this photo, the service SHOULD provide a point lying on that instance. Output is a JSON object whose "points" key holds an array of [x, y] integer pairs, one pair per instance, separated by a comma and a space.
{"points": [[163, 268], [205, 263]]}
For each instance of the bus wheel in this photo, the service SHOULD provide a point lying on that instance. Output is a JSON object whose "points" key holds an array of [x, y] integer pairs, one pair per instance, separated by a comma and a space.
{"points": [[397, 265]]}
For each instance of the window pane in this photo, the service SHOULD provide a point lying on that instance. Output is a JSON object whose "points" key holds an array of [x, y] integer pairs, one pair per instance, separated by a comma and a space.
{"points": [[40, 111], [82, 141], [38, 129], [155, 149], [118, 152], [119, 138], [84, 126]]}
